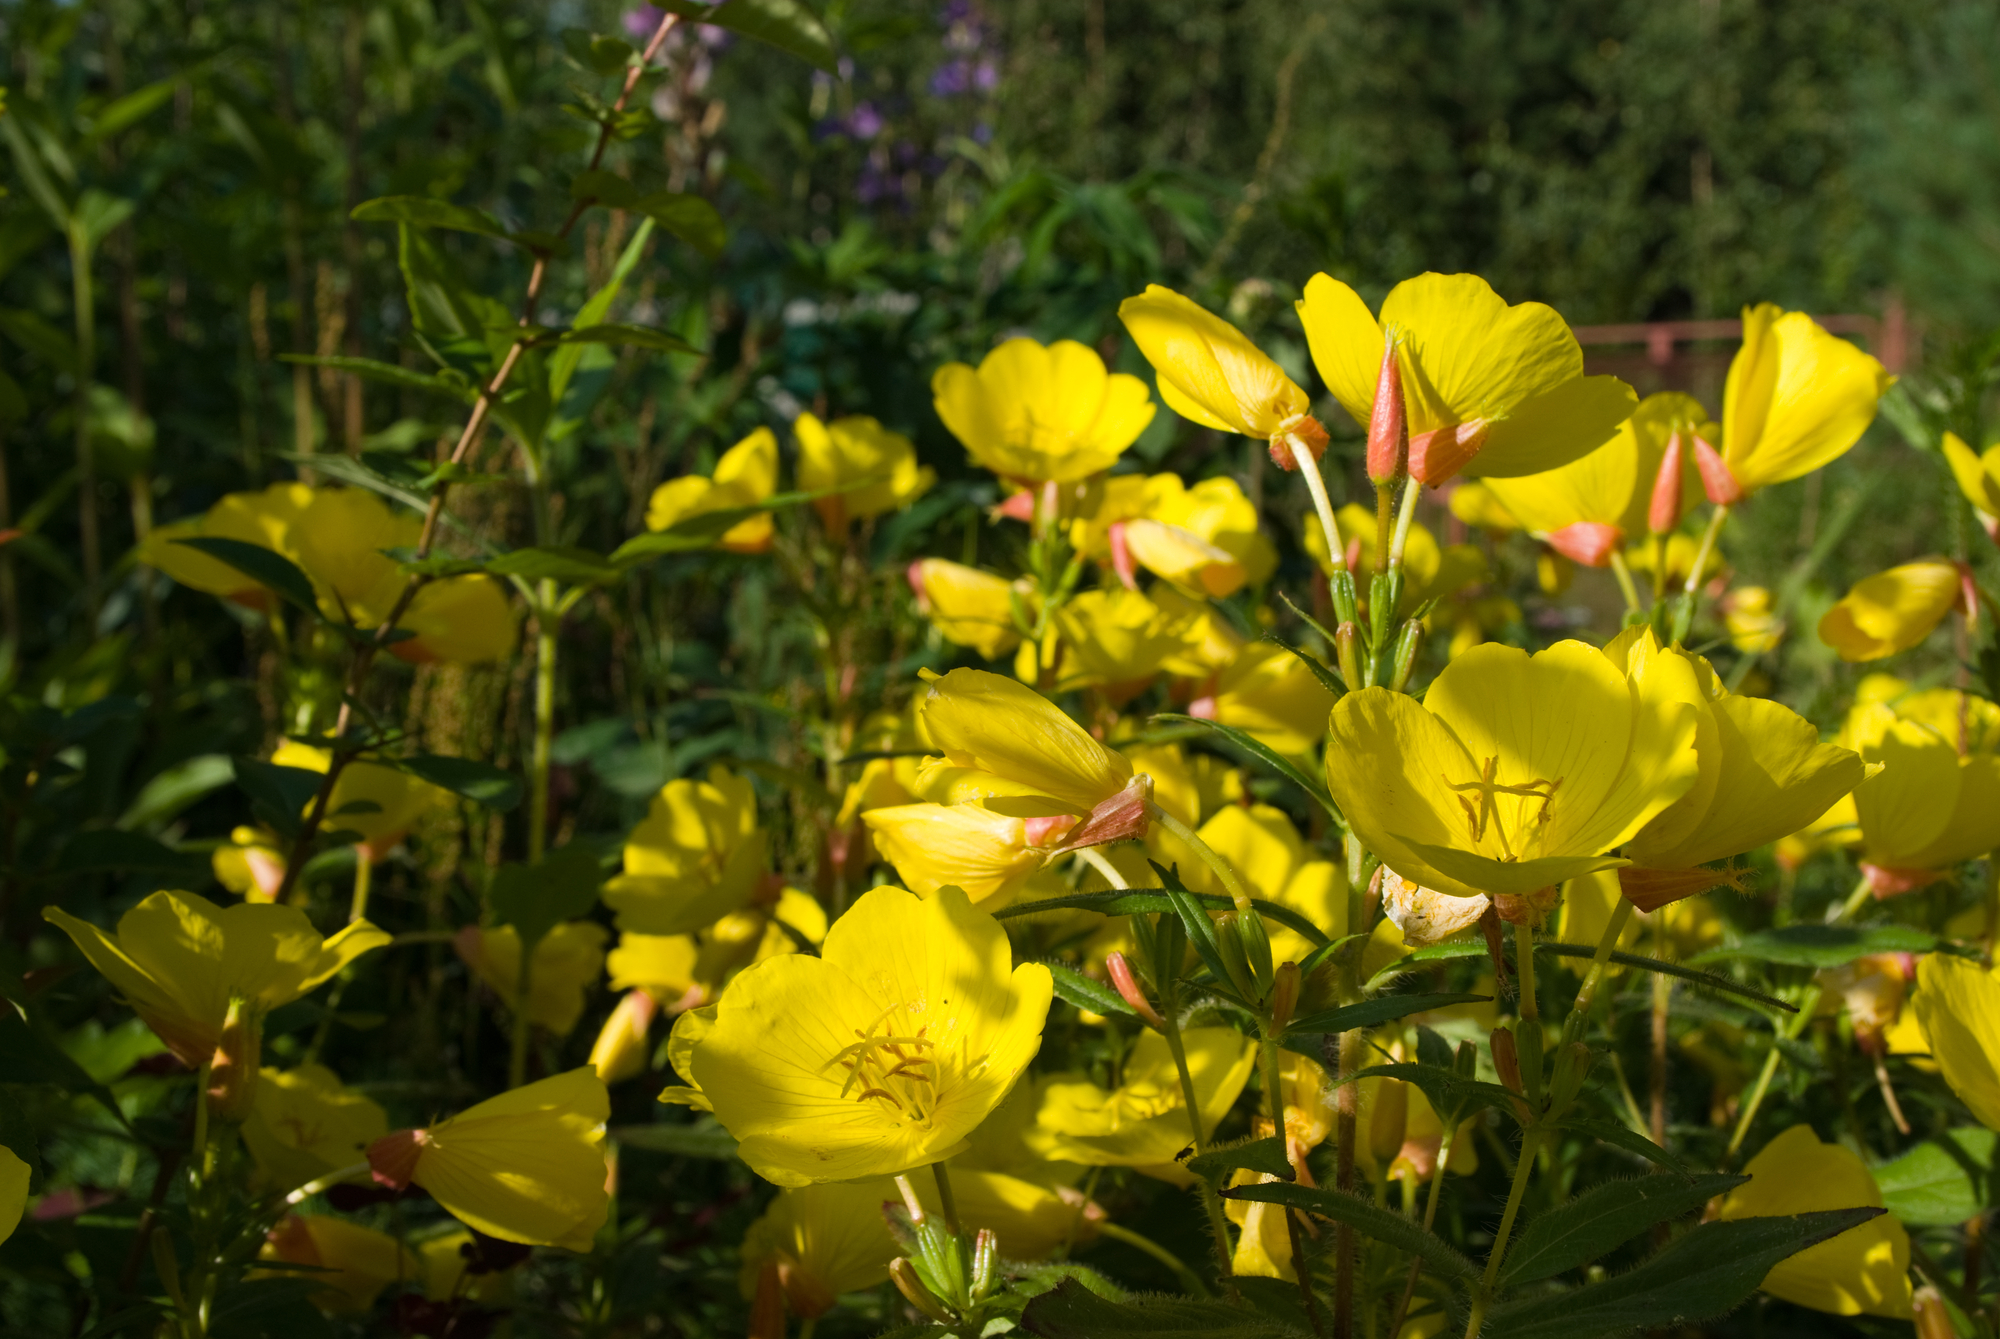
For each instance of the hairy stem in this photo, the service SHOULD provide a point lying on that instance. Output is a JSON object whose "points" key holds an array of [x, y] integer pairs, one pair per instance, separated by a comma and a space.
{"points": [[1208, 854]]}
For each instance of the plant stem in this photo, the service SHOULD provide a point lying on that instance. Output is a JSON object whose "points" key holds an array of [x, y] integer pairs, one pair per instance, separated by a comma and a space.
{"points": [[1218, 1224], [198, 1157], [946, 1200], [1789, 1030], [1684, 616], [1401, 540], [1309, 470], [1586, 995], [547, 624], [1230, 883], [364, 871], [1623, 571], [1347, 1103], [1524, 955], [517, 1058], [1096, 859], [1430, 1216], [1856, 900], [1522, 1169], [1189, 1279]]}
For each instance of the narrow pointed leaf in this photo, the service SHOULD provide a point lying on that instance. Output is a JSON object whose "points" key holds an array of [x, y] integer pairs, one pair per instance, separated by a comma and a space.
{"points": [[1375, 1012], [267, 567], [1367, 1218], [1603, 1217], [1255, 1155], [423, 212], [480, 782], [1694, 976], [1616, 1135], [1327, 678], [1145, 901], [1072, 1311], [1265, 754], [1084, 992]]}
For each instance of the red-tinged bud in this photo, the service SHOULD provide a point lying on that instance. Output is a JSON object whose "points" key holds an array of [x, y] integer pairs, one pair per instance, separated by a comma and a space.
{"points": [[1019, 506], [1968, 594], [1388, 429], [1302, 433], [1419, 1155], [1489, 928], [914, 574], [1122, 561], [1651, 889], [1931, 1315], [1716, 480], [1042, 829], [1121, 817], [393, 1157], [1203, 708], [1353, 554], [1506, 1059], [1530, 909], [1128, 990], [1663, 513], [1885, 881], [1437, 455], [1586, 542]]}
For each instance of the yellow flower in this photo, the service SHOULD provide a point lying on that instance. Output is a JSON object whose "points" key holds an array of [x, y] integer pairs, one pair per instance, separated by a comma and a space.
{"points": [[1863, 1271], [1978, 477], [1515, 772], [1958, 1009], [265, 519], [1930, 808], [250, 864], [1763, 772], [377, 803], [1143, 1122], [621, 1050], [180, 961], [303, 1125], [1753, 622], [986, 854], [969, 607], [1270, 695], [355, 1263], [1034, 414], [14, 1177], [1115, 640], [881, 1054], [848, 450], [746, 475], [565, 966], [1202, 539], [687, 971], [1796, 399], [1489, 389], [988, 724], [1894, 610], [1210, 374], [698, 856], [1480, 507], [526, 1166], [820, 1242], [1266, 851]]}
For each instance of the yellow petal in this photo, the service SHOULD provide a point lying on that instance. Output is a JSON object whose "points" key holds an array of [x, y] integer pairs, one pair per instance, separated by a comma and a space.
{"points": [[1034, 413], [1975, 476], [525, 1166], [354, 1263], [750, 466], [994, 724], [1891, 611], [1206, 365], [967, 606], [966, 846], [1909, 804], [1345, 341], [1562, 424], [824, 1241], [460, 621], [303, 1124], [1796, 398], [1958, 1009], [14, 1175]]}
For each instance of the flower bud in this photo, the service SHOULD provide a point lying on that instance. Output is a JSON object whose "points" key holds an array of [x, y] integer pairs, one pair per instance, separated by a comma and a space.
{"points": [[1437, 455], [985, 1255], [1716, 480], [1505, 1061], [1347, 650], [1256, 949], [1663, 512], [1465, 1063], [1303, 433], [1387, 1121], [1284, 996], [1572, 1066], [232, 1075], [1932, 1318], [1340, 593], [1409, 642], [1528, 1043], [1229, 943], [904, 1275], [620, 1052], [1587, 542], [1388, 429], [1128, 989]]}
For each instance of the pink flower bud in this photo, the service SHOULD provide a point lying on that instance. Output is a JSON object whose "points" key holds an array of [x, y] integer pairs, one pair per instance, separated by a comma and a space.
{"points": [[1128, 989], [1716, 480], [1388, 431], [1663, 513]]}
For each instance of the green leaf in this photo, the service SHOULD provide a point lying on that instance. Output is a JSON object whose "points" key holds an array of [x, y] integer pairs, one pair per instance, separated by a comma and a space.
{"points": [[1693, 976], [1818, 946], [536, 898], [635, 336], [1367, 1218], [1327, 678], [173, 790], [571, 407], [704, 1138], [1710, 1271], [785, 24], [278, 795], [100, 849], [1265, 754], [1255, 1155], [700, 530], [1375, 1012], [26, 1056], [1409, 962], [1149, 901], [1194, 919], [1943, 1181], [122, 113], [1451, 1096], [688, 217], [267, 567], [267, 1307], [420, 211], [574, 566], [1073, 1311], [600, 55], [1618, 1136], [371, 369], [1083, 992], [1602, 1217], [480, 782]]}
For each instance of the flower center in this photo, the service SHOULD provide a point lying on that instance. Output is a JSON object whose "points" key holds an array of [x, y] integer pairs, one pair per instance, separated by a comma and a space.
{"points": [[1485, 811], [894, 1069]]}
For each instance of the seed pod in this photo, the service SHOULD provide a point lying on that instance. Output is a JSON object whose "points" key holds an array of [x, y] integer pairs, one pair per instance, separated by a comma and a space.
{"points": [[1229, 943], [1284, 996], [1409, 642], [1347, 650]]}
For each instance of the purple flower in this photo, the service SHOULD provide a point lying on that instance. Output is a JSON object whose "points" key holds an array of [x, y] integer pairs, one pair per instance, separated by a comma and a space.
{"points": [[644, 21], [986, 75], [951, 80], [864, 122]]}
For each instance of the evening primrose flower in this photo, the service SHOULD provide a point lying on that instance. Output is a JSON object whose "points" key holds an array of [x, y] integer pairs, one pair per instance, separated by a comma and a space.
{"points": [[1143, 1122], [250, 864], [526, 1166], [1796, 399], [14, 1177], [881, 1054], [1268, 693], [688, 971], [1894, 610], [1750, 614], [375, 802], [1978, 477], [696, 857], [564, 967], [1515, 772], [181, 962], [1931, 807], [1035, 414], [304, 1125], [353, 1263], [969, 607], [263, 518], [1211, 374], [1958, 1010], [746, 475], [1863, 1271], [849, 450], [1489, 389], [1204, 540], [1114, 640], [816, 1243]]}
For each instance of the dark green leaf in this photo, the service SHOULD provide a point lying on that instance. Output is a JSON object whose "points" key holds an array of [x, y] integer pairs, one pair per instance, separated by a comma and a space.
{"points": [[1194, 919], [423, 212], [703, 1138], [699, 530], [1073, 1311], [480, 782], [600, 55], [1943, 1181], [637, 336], [269, 1308], [278, 794], [536, 898], [1147, 901], [267, 567], [26, 1056], [1265, 754], [1707, 1273], [1369, 1219], [1693, 976], [785, 24], [1820, 946], [95, 849], [1375, 1012], [1450, 1095], [688, 217], [1083, 992], [132, 108], [1255, 1155], [1327, 678], [1602, 1217], [574, 566], [1409, 962], [1618, 1136]]}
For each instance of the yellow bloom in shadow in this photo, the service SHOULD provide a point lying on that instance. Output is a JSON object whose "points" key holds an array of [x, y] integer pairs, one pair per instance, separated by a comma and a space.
{"points": [[848, 450], [821, 1242], [1033, 414], [1143, 1122], [14, 1177], [1515, 772], [1863, 1271], [250, 864], [304, 1124], [698, 856], [1936, 801], [1266, 692], [1490, 390], [180, 961], [263, 518], [1115, 640], [969, 607], [881, 1054], [378, 803], [687, 971], [746, 475], [526, 1166], [565, 966], [1978, 476], [1958, 1010], [354, 1263], [1892, 611], [1796, 399]]}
